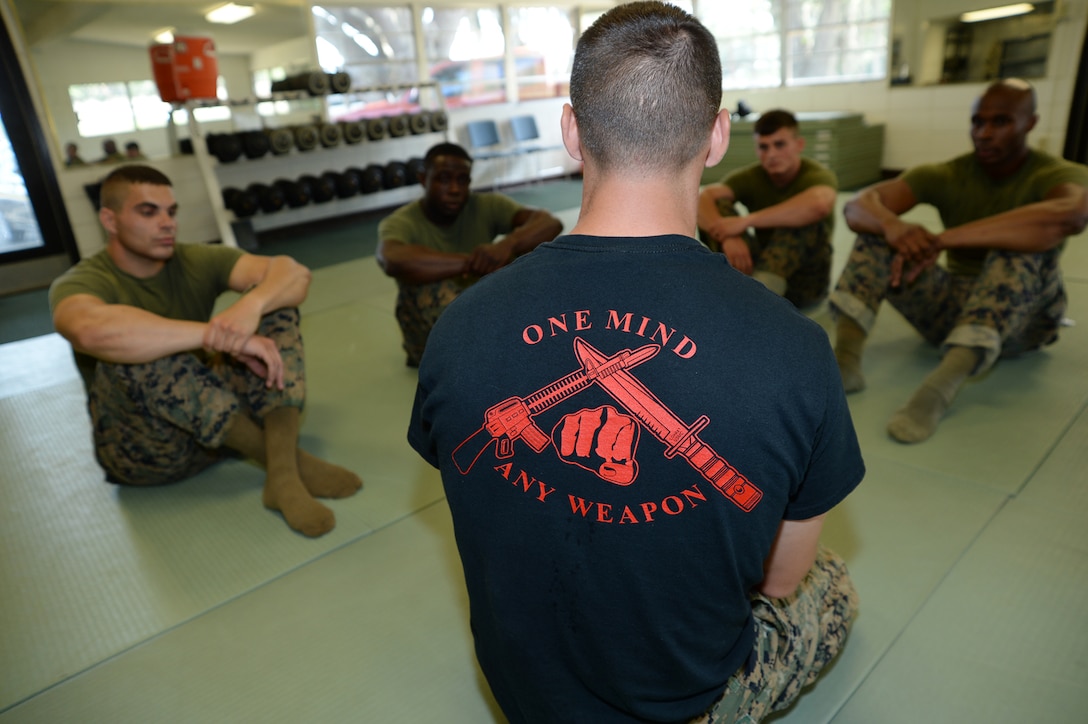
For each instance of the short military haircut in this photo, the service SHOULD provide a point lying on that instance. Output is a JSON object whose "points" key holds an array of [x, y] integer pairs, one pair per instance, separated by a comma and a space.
{"points": [[774, 121], [444, 149], [115, 185], [645, 87]]}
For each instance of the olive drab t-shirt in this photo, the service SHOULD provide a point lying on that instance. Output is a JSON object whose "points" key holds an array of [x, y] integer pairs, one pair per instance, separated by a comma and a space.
{"points": [[485, 216], [185, 289], [961, 192], [752, 187]]}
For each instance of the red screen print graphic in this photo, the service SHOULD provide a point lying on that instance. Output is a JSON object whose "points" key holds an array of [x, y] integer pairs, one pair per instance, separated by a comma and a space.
{"points": [[512, 419], [679, 438], [602, 441]]}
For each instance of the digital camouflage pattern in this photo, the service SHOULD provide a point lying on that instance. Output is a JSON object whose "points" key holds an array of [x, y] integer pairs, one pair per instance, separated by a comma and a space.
{"points": [[165, 420], [796, 638], [418, 307], [1015, 304], [801, 256]]}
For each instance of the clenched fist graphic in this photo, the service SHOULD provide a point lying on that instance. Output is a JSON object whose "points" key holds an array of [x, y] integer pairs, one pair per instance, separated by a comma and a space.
{"points": [[602, 441]]}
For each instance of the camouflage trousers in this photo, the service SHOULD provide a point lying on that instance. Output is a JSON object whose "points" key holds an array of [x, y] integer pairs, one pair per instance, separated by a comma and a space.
{"points": [[162, 421], [796, 638], [1015, 304], [801, 256], [418, 307]]}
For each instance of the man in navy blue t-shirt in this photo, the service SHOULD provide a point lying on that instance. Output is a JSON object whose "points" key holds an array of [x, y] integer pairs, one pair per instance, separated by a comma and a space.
{"points": [[638, 485]]}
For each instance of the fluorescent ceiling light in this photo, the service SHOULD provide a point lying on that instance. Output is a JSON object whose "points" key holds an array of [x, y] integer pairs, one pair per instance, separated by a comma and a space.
{"points": [[229, 13], [166, 35], [1005, 11]]}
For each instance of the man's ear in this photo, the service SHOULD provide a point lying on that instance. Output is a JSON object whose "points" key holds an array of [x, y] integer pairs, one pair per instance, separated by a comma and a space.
{"points": [[108, 219], [719, 139], [572, 140]]}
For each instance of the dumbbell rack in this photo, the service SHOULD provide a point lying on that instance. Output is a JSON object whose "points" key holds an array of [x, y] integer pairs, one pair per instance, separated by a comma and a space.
{"points": [[218, 176]]}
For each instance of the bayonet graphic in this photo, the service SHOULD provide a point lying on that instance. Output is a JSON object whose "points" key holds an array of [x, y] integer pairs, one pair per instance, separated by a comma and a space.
{"points": [[678, 437], [511, 419]]}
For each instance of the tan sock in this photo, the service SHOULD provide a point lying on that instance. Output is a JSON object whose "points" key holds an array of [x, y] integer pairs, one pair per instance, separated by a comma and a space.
{"points": [[918, 420], [325, 480], [849, 343], [283, 488]]}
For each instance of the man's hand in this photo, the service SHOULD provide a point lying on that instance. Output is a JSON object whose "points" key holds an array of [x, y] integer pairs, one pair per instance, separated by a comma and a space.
{"points": [[262, 357], [913, 241], [739, 255], [726, 227], [916, 249], [487, 258], [229, 330]]}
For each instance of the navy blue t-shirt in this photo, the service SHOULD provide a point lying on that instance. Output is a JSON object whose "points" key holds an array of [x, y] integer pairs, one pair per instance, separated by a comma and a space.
{"points": [[621, 424]]}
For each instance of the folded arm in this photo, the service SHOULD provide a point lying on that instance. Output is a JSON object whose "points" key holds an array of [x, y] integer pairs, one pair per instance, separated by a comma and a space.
{"points": [[811, 205], [531, 228], [266, 284], [415, 264], [1029, 229]]}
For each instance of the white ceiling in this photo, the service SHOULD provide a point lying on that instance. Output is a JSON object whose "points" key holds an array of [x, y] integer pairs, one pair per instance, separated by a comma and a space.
{"points": [[135, 22]]}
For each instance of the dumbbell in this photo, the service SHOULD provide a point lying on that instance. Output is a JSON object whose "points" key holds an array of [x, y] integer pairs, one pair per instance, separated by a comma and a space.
{"points": [[346, 183], [306, 138], [316, 83], [294, 193], [370, 178], [440, 121], [269, 198], [394, 175], [415, 170], [377, 128], [329, 135], [398, 125], [352, 131], [420, 122], [280, 140], [339, 82], [241, 202], [320, 188], [254, 144], [224, 146]]}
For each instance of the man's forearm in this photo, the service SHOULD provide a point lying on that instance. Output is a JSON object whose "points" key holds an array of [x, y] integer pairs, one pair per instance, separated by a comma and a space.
{"points": [[285, 284], [412, 264], [808, 207], [1028, 229], [865, 214], [130, 335]]}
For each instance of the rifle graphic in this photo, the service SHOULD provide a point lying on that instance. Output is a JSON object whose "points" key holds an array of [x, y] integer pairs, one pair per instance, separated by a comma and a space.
{"points": [[511, 419], [679, 438]]}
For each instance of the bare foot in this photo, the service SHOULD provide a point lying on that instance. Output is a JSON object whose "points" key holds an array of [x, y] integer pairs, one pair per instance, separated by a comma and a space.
{"points": [[325, 480], [287, 495]]}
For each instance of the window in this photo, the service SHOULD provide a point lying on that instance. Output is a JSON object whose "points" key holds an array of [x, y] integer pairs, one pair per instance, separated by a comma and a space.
{"points": [[837, 40], [376, 47], [749, 41], [465, 52], [770, 43], [104, 109], [543, 42]]}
